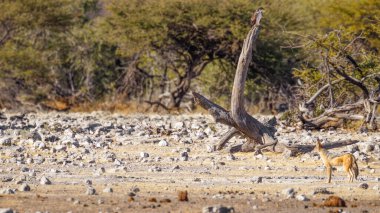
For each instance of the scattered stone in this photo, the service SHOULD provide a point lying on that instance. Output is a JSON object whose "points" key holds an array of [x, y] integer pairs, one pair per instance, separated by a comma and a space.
{"points": [[231, 157], [257, 179], [210, 148], [289, 192], [163, 143], [302, 198], [7, 191], [179, 125], [377, 188], [182, 196], [36, 136], [321, 191], [144, 155], [334, 201], [184, 156], [195, 126], [166, 200], [45, 181], [101, 170], [176, 167], [24, 188], [152, 199], [108, 190], [6, 142], [60, 148], [197, 180], [217, 209], [6, 179], [135, 189], [287, 153], [369, 147], [5, 210], [100, 201], [88, 182], [363, 185], [155, 169], [90, 191]]}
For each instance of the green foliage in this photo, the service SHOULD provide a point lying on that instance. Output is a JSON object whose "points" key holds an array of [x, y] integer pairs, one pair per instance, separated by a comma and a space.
{"points": [[347, 42], [49, 47], [84, 50], [184, 35]]}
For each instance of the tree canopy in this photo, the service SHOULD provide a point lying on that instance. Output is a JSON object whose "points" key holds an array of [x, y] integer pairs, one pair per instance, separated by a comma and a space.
{"points": [[156, 51]]}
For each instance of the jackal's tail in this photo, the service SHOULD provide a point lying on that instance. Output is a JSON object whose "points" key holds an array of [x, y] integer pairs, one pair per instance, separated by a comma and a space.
{"points": [[355, 167]]}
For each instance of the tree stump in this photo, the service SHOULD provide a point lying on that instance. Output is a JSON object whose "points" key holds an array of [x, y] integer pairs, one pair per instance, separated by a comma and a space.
{"points": [[258, 135]]}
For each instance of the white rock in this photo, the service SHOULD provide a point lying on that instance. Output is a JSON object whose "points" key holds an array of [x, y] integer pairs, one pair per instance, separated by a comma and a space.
{"points": [[7, 191], [302, 198], [45, 181], [195, 126], [90, 191], [163, 143], [289, 192], [210, 148], [6, 142], [24, 188], [108, 190], [219, 208], [178, 125], [5, 210], [144, 154]]}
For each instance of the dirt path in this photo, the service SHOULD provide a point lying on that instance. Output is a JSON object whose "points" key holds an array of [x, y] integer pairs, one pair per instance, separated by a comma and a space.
{"points": [[103, 149]]}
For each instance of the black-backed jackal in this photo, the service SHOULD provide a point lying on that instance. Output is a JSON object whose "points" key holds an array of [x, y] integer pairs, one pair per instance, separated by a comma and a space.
{"points": [[348, 161]]}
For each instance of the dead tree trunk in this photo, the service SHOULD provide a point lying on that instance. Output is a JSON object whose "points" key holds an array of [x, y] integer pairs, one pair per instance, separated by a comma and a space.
{"points": [[258, 135]]}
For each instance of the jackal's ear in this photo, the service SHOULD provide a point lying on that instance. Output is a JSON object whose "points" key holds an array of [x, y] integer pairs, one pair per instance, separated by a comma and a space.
{"points": [[318, 144]]}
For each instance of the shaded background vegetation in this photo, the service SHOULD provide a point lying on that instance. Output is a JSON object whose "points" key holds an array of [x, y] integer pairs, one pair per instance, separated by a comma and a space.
{"points": [[67, 53]]}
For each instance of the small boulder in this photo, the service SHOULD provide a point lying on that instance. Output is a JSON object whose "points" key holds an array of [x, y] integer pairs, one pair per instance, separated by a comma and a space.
{"points": [[6, 142], [144, 155], [6, 210], [90, 191], [163, 143], [363, 185], [24, 188], [217, 209], [108, 190], [45, 181], [289, 192], [302, 198]]}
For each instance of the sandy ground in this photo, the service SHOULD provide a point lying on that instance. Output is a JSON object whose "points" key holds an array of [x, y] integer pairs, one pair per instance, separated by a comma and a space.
{"points": [[210, 178]]}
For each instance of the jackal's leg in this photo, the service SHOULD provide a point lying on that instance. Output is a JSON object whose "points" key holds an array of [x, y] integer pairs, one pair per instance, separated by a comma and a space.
{"points": [[352, 174], [348, 168], [328, 168]]}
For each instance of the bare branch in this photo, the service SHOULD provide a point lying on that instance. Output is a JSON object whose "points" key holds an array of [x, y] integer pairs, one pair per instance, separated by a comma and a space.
{"points": [[226, 137], [311, 100], [351, 80]]}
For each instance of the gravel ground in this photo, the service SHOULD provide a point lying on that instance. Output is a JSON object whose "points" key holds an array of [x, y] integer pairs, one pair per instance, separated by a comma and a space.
{"points": [[102, 162]]}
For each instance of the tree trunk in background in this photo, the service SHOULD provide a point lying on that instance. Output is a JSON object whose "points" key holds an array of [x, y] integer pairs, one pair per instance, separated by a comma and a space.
{"points": [[258, 135]]}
